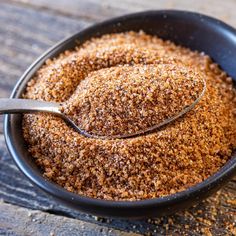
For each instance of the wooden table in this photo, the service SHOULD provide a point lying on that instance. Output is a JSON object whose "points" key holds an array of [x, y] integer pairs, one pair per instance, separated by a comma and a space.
{"points": [[27, 29]]}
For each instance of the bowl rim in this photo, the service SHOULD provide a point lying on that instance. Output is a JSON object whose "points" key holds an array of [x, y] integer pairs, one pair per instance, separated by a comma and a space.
{"points": [[57, 191]]}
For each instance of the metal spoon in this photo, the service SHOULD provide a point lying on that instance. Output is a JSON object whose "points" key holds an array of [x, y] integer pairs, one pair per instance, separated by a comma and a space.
{"points": [[9, 106]]}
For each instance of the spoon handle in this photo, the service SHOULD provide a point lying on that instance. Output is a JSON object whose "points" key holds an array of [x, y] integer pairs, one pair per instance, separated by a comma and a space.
{"points": [[8, 105]]}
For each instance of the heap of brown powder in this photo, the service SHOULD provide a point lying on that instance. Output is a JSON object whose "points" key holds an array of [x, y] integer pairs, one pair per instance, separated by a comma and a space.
{"points": [[163, 162], [127, 99]]}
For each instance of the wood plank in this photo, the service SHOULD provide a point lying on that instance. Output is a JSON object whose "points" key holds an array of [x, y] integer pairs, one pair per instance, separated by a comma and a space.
{"points": [[100, 10], [217, 214], [41, 224]]}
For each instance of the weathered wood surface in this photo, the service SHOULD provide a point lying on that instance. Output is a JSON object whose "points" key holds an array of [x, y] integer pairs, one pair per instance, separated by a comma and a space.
{"points": [[34, 222], [28, 28], [94, 10]]}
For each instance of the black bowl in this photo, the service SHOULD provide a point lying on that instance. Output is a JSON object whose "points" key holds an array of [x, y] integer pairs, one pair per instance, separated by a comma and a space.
{"points": [[193, 30]]}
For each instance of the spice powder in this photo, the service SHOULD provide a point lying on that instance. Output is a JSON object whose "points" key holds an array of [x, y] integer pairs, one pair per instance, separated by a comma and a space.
{"points": [[124, 100], [114, 84]]}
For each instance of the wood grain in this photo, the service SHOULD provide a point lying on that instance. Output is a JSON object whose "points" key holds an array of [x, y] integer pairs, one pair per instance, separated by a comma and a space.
{"points": [[41, 224], [26, 30], [95, 10]]}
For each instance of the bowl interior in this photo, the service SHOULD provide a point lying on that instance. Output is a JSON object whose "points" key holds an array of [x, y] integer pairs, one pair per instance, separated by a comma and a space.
{"points": [[192, 30]]}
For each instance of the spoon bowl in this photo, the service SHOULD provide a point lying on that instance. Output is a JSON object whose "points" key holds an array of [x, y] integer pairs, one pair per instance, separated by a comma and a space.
{"points": [[10, 106]]}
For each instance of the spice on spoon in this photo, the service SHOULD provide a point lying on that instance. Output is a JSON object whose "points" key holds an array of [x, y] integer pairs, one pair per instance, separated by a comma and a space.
{"points": [[124, 100]]}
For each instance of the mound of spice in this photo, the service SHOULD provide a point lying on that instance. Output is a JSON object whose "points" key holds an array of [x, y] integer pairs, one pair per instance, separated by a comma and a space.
{"points": [[113, 84], [127, 99]]}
